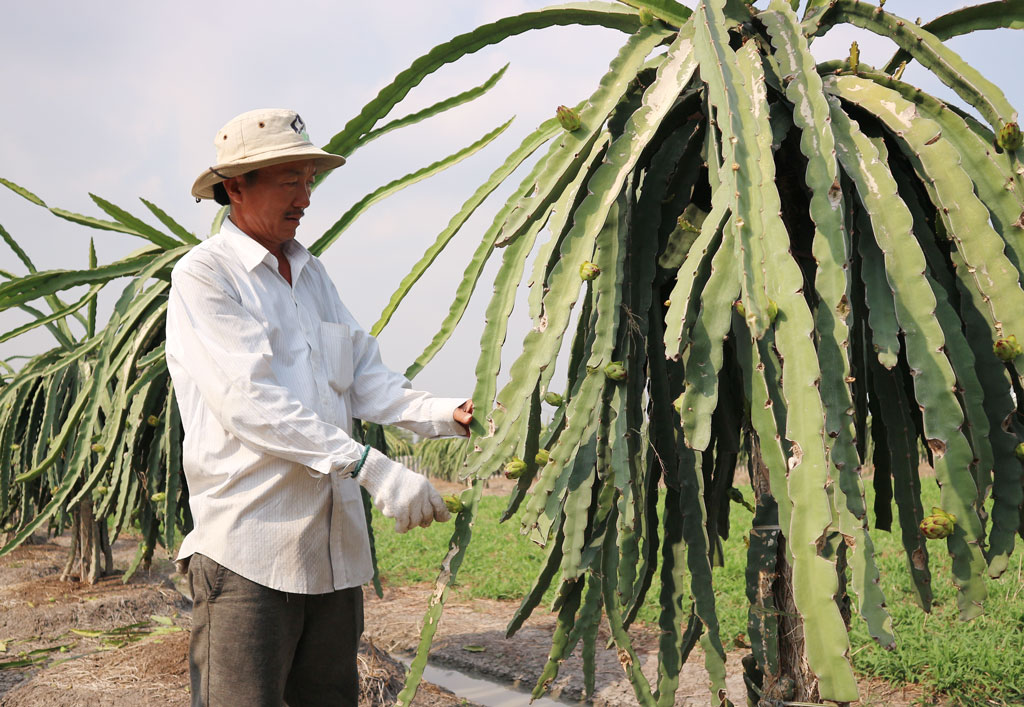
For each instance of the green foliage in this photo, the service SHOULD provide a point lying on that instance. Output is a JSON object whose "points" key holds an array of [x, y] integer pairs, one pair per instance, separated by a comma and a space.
{"points": [[441, 458], [793, 257]]}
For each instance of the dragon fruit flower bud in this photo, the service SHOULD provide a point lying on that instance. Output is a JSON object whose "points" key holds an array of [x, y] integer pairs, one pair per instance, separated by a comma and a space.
{"points": [[543, 457], [569, 118], [646, 17], [615, 370], [1007, 349], [552, 398], [1019, 451], [514, 468], [773, 310], [453, 503], [152, 420], [158, 497], [588, 271], [1009, 137], [936, 511], [740, 309], [98, 448], [936, 527]]}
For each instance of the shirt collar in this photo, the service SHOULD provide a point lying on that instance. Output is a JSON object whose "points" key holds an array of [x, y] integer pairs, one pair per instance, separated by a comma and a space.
{"points": [[251, 253]]}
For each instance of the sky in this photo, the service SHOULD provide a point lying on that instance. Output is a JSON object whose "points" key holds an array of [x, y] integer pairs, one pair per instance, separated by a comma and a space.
{"points": [[122, 99]]}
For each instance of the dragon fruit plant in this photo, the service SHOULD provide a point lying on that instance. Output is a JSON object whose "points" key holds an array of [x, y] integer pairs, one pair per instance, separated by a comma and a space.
{"points": [[871, 237]]}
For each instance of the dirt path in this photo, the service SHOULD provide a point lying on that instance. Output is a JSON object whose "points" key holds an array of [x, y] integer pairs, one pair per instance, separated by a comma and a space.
{"points": [[132, 640]]}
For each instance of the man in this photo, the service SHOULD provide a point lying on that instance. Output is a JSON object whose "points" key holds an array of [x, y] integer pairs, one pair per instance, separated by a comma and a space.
{"points": [[269, 368]]}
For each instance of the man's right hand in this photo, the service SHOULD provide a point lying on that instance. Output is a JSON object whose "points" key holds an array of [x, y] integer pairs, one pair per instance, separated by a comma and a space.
{"points": [[400, 493]]}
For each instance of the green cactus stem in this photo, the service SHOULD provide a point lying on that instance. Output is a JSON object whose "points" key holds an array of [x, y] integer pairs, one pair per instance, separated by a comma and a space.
{"points": [[854, 57]]}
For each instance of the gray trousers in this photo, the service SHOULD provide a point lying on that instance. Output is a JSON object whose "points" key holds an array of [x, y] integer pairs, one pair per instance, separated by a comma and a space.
{"points": [[252, 645]]}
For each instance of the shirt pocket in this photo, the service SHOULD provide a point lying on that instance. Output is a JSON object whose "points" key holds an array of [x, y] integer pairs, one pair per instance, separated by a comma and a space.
{"points": [[337, 355]]}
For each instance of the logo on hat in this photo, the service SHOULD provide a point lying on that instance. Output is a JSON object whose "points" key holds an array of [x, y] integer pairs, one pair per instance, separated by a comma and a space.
{"points": [[299, 127]]}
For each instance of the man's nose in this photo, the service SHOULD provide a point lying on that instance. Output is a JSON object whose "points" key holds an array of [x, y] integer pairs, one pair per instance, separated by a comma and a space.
{"points": [[302, 198]]}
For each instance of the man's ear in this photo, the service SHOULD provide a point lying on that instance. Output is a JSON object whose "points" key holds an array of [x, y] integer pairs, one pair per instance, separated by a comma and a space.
{"points": [[233, 187]]}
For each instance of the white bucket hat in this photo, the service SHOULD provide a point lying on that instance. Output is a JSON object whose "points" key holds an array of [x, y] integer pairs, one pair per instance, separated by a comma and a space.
{"points": [[261, 138]]}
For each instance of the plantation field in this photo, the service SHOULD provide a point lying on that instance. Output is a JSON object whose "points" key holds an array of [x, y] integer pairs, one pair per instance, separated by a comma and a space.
{"points": [[951, 662], [938, 661]]}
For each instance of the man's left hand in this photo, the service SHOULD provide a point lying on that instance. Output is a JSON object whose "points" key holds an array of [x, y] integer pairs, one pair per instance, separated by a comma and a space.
{"points": [[464, 415]]}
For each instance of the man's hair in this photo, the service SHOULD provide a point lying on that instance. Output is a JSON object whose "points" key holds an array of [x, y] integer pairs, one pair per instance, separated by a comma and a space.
{"points": [[220, 194]]}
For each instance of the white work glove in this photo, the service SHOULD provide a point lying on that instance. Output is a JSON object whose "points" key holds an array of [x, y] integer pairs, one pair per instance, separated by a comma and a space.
{"points": [[401, 493]]}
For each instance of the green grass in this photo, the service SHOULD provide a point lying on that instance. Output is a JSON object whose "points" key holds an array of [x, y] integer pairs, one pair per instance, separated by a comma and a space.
{"points": [[980, 662], [500, 564]]}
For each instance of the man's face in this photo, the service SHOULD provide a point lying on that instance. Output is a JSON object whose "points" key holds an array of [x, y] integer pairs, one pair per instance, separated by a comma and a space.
{"points": [[269, 204]]}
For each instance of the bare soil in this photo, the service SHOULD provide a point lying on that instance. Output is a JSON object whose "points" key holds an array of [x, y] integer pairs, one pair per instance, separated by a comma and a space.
{"points": [[132, 642], [124, 645]]}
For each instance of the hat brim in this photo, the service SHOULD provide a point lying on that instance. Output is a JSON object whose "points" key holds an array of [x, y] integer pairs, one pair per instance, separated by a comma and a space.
{"points": [[203, 186]]}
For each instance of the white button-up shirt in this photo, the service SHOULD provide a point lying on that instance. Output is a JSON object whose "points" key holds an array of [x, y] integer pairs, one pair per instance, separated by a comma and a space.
{"points": [[268, 377]]}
